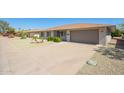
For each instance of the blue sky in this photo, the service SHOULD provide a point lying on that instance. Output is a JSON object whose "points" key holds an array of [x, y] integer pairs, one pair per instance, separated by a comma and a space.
{"points": [[42, 23]]}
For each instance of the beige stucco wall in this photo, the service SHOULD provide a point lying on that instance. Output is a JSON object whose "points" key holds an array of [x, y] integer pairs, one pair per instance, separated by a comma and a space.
{"points": [[52, 34], [104, 37], [31, 34], [68, 35], [45, 34], [108, 38]]}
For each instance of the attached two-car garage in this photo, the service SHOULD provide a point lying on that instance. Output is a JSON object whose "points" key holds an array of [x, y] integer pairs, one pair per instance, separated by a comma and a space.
{"points": [[85, 36]]}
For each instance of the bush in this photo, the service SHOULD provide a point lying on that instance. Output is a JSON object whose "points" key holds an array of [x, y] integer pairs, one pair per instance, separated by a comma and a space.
{"points": [[18, 34], [50, 39], [35, 38], [23, 35], [116, 33], [11, 30], [11, 36], [57, 39]]}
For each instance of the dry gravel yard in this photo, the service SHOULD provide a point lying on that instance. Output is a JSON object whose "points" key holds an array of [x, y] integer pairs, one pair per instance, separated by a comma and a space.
{"points": [[20, 56], [109, 62]]}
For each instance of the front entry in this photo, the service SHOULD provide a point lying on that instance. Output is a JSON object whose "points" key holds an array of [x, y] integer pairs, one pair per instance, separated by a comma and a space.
{"points": [[61, 34]]}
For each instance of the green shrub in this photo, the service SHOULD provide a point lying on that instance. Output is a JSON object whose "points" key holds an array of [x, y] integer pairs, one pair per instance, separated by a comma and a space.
{"points": [[11, 30], [116, 33], [23, 35], [18, 34], [50, 39], [35, 38], [57, 39]]}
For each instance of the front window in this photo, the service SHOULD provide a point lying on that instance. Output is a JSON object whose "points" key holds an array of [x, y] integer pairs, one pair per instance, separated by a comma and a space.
{"points": [[48, 34], [42, 34], [60, 33]]}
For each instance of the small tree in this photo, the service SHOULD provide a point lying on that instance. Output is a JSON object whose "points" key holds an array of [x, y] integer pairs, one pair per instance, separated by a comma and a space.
{"points": [[3, 26], [6, 30]]}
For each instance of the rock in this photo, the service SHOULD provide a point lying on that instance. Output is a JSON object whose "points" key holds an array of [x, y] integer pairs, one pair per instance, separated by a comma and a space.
{"points": [[91, 62], [110, 56]]}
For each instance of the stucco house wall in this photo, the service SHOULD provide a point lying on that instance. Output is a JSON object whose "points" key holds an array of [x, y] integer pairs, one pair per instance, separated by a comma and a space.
{"points": [[104, 36], [32, 34], [68, 35], [108, 37]]}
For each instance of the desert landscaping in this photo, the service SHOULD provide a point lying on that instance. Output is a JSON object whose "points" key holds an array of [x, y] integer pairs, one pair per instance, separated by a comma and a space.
{"points": [[110, 61], [21, 56]]}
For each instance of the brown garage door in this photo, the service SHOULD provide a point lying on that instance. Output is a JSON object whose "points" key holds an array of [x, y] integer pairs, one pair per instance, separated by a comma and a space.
{"points": [[85, 36]]}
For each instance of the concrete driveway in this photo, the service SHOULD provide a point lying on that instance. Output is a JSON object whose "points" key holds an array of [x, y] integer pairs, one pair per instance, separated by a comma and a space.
{"points": [[63, 58]]}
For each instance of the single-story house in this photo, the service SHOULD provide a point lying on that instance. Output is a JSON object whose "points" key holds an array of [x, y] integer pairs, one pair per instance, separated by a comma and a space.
{"points": [[82, 33]]}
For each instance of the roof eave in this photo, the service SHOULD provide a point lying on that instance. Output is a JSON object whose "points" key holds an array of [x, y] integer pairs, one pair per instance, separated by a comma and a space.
{"points": [[71, 29]]}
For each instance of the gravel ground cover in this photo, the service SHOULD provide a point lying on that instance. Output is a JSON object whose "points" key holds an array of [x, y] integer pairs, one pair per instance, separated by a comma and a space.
{"points": [[21, 57], [110, 61]]}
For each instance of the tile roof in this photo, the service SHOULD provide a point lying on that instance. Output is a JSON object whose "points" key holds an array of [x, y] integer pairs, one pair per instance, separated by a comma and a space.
{"points": [[73, 26], [78, 26]]}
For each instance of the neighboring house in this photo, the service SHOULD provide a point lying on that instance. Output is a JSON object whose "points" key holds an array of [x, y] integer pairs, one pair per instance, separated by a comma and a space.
{"points": [[82, 33]]}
